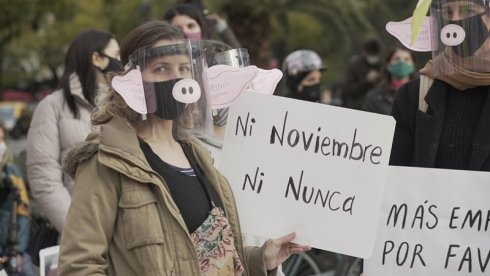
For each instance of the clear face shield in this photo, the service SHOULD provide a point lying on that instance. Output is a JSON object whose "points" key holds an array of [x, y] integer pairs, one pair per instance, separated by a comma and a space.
{"points": [[236, 58], [460, 32], [164, 81]]}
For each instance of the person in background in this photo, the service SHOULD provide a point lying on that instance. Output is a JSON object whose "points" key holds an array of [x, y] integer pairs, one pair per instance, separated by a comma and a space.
{"points": [[195, 25], [443, 117], [303, 73], [399, 69], [363, 74], [151, 199], [62, 120], [13, 188]]}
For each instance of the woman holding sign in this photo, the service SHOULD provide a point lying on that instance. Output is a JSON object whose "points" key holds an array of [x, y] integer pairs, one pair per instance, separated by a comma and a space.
{"points": [[443, 118], [147, 198]]}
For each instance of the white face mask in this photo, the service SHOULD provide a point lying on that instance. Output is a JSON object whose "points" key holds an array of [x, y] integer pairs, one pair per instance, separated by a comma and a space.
{"points": [[3, 149], [371, 59]]}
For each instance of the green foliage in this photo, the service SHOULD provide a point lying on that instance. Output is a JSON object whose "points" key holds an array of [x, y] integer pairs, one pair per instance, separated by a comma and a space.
{"points": [[333, 28], [35, 33]]}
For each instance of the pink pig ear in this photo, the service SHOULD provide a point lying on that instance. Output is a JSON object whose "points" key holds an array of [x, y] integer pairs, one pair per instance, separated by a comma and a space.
{"points": [[130, 87], [403, 32], [266, 81], [226, 83]]}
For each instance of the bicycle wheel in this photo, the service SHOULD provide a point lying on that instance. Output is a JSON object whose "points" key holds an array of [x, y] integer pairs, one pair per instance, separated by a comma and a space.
{"points": [[305, 264]]}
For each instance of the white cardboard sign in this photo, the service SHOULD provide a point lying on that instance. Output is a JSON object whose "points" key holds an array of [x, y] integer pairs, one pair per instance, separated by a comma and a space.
{"points": [[315, 169], [433, 222]]}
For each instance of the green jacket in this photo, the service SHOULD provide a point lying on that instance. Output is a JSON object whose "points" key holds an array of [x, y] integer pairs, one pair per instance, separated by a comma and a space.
{"points": [[123, 220]]}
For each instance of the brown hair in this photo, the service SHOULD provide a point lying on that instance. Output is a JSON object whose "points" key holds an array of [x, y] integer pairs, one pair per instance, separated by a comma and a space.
{"points": [[114, 106]]}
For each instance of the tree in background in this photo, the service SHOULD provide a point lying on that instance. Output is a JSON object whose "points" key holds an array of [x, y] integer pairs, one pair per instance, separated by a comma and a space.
{"points": [[34, 33], [271, 29]]}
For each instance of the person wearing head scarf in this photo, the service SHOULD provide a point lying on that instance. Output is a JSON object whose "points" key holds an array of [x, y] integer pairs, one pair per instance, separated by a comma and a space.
{"points": [[443, 117]]}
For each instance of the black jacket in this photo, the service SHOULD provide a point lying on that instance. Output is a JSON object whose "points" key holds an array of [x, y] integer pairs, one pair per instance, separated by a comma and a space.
{"points": [[417, 134], [379, 100], [356, 85]]}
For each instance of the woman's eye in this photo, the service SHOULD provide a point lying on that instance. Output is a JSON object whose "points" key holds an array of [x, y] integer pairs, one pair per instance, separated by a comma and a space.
{"points": [[160, 69]]}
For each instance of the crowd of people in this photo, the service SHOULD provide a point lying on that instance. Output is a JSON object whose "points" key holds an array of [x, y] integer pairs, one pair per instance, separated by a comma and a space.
{"points": [[118, 156]]}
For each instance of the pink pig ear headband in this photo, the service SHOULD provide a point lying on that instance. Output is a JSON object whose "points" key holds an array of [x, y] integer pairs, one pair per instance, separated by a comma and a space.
{"points": [[130, 87], [230, 74], [223, 83], [226, 83]]}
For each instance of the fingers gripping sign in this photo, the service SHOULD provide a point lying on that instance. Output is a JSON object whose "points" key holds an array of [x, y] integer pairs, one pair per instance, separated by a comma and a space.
{"points": [[278, 250]]}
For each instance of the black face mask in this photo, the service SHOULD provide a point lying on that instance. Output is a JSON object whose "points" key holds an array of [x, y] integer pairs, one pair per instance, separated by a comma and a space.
{"points": [[114, 65], [160, 101], [310, 93], [476, 34]]}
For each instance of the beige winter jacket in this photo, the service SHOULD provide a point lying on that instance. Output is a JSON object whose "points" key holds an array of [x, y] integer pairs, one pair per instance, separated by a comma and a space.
{"points": [[54, 131], [123, 220]]}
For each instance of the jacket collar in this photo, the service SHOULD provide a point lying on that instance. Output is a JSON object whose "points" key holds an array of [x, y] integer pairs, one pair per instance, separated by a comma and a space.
{"points": [[118, 139], [429, 125]]}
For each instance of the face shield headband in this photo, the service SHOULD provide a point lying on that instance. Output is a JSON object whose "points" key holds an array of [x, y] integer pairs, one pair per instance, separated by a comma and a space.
{"points": [[160, 80]]}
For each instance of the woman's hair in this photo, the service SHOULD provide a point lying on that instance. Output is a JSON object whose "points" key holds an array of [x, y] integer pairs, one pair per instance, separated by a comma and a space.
{"points": [[78, 60], [389, 55], [192, 12], [114, 106]]}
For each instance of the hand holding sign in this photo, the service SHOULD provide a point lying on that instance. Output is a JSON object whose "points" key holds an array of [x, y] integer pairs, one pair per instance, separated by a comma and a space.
{"points": [[278, 250]]}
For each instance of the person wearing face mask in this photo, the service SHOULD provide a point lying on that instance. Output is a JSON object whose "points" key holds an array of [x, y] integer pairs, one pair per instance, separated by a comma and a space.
{"points": [[399, 69], [147, 194], [12, 188], [192, 21], [62, 119], [443, 117], [363, 74], [303, 71]]}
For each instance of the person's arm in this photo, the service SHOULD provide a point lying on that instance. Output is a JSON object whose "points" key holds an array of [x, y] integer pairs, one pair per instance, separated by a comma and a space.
{"points": [[44, 164], [404, 111], [94, 210]]}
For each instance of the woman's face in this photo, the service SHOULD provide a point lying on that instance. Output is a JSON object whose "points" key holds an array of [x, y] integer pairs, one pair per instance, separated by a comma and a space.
{"points": [[457, 10], [111, 50], [186, 24], [168, 67], [314, 77], [401, 55]]}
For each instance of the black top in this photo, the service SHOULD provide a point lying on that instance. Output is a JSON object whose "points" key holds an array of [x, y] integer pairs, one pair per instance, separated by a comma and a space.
{"points": [[187, 191], [463, 109], [453, 133]]}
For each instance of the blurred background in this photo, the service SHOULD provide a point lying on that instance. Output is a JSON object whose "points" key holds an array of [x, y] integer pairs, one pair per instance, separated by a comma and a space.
{"points": [[34, 33]]}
